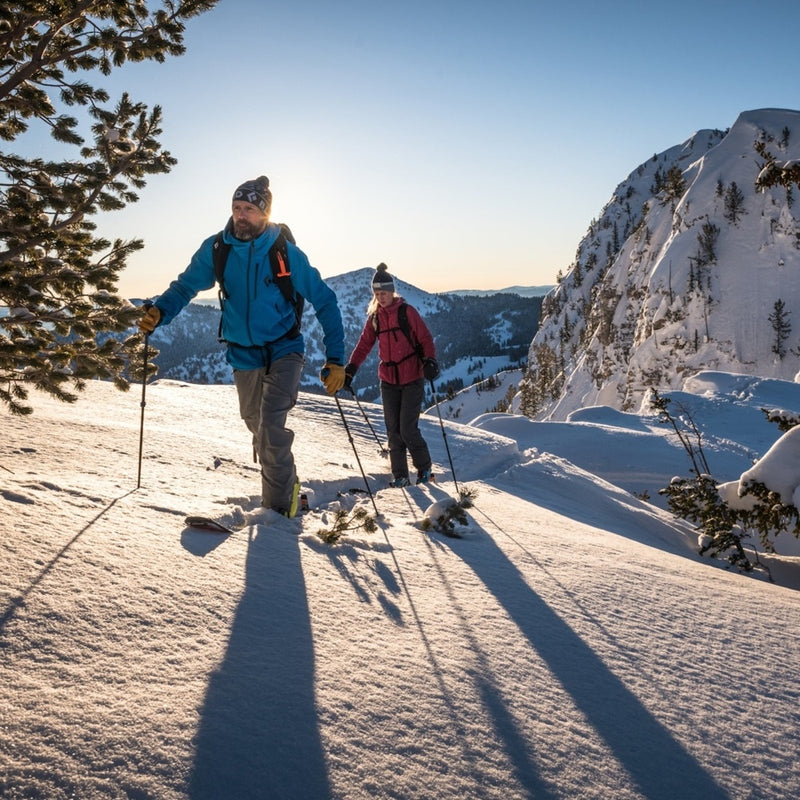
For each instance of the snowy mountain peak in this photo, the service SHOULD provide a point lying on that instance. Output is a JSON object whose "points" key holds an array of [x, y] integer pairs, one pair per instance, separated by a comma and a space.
{"points": [[688, 267], [354, 291]]}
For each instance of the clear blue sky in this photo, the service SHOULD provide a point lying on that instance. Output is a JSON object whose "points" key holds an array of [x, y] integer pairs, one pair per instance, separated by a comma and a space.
{"points": [[467, 145]]}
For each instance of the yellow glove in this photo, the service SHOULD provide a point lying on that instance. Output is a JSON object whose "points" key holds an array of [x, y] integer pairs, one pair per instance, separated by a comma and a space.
{"points": [[148, 323], [332, 377]]}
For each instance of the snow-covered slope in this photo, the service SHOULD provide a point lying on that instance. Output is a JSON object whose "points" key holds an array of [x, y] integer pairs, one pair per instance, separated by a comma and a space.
{"points": [[682, 271], [496, 393], [570, 645]]}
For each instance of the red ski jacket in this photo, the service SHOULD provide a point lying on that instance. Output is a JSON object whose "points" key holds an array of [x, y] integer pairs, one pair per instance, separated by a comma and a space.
{"points": [[400, 362]]}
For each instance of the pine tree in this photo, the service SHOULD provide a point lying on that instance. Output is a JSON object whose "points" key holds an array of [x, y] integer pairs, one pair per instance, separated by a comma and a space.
{"points": [[781, 326], [674, 185], [345, 521], [59, 305], [774, 172], [706, 255], [734, 203], [528, 401]]}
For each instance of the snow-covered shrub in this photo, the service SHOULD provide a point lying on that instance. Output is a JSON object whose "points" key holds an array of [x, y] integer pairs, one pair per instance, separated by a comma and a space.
{"points": [[698, 501]]}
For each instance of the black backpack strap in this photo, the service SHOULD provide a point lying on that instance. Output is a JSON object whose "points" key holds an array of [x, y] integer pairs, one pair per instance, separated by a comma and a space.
{"points": [[405, 328], [402, 321], [219, 253], [282, 275]]}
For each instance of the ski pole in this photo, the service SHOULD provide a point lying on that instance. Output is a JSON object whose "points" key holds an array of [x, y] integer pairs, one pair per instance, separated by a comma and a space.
{"points": [[355, 452], [384, 452], [444, 436], [143, 403]]}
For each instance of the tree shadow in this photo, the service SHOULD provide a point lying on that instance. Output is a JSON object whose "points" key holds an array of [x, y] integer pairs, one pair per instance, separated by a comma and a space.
{"points": [[258, 734], [660, 766], [15, 603], [346, 558]]}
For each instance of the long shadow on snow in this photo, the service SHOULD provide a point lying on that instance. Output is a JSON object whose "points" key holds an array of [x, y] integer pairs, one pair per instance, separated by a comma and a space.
{"points": [[258, 734], [658, 764]]}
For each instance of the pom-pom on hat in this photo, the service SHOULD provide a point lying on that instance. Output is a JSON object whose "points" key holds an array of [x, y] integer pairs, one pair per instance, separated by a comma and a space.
{"points": [[382, 281], [255, 192]]}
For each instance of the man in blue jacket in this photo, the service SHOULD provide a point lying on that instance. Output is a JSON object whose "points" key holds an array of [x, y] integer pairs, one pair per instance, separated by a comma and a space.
{"points": [[264, 344]]}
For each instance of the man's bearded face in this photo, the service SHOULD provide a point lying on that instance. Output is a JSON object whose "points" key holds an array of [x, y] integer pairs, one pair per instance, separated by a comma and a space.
{"points": [[249, 221]]}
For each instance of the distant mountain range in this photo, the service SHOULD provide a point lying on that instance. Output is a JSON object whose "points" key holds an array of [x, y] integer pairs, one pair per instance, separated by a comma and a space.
{"points": [[476, 336], [522, 291]]}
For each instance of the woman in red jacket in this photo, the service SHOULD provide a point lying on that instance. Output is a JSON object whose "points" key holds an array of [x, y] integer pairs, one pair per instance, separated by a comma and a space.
{"points": [[407, 359]]}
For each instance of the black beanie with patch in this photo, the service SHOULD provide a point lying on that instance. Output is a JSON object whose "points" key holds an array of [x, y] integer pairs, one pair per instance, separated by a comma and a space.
{"points": [[255, 192]]}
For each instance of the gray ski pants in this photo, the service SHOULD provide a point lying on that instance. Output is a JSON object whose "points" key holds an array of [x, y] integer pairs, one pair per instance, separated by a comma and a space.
{"points": [[266, 396]]}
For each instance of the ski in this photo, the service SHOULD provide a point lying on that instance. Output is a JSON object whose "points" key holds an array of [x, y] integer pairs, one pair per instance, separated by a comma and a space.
{"points": [[207, 524]]}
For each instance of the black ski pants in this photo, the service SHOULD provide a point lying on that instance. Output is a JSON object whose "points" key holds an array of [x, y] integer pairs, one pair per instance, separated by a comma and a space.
{"points": [[402, 404]]}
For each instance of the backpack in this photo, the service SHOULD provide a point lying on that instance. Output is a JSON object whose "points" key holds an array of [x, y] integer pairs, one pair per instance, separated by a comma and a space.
{"points": [[281, 274]]}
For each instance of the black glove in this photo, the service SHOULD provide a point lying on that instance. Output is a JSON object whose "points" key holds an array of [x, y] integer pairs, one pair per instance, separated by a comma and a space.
{"points": [[430, 369], [349, 374]]}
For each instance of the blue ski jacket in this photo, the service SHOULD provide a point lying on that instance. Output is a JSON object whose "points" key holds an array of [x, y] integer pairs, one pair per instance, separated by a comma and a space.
{"points": [[256, 317]]}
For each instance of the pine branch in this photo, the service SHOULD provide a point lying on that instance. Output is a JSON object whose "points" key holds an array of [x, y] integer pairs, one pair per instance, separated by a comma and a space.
{"points": [[58, 279], [344, 522]]}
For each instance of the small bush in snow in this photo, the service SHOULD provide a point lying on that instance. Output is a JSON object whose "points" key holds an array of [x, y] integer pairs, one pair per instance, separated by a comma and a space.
{"points": [[727, 532], [443, 515], [344, 521]]}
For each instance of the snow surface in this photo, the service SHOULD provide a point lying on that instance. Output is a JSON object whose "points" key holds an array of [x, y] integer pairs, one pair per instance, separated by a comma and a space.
{"points": [[571, 644]]}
